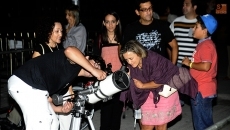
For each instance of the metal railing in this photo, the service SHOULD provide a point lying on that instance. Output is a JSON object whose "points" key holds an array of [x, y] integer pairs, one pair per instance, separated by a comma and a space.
{"points": [[15, 47]]}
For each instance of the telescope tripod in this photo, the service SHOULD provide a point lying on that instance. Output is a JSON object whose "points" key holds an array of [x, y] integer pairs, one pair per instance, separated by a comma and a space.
{"points": [[78, 112]]}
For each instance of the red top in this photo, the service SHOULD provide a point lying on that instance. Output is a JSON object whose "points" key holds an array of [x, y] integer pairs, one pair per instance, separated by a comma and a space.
{"points": [[205, 52]]}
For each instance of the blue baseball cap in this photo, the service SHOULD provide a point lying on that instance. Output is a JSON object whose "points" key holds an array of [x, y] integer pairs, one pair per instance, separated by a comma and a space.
{"points": [[210, 23]]}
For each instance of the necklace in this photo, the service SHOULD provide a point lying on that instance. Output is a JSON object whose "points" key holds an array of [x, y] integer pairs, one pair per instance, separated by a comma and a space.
{"points": [[51, 47], [111, 40]]}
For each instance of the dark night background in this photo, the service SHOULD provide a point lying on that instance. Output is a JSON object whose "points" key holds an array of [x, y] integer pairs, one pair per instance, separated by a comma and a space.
{"points": [[23, 15]]}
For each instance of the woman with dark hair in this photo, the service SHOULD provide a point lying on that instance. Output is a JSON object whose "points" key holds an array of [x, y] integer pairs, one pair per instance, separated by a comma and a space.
{"points": [[48, 39], [76, 32], [109, 44], [49, 34], [32, 84]]}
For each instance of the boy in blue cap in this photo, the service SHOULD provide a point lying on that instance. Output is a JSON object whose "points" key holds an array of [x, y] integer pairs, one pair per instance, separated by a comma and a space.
{"points": [[203, 68]]}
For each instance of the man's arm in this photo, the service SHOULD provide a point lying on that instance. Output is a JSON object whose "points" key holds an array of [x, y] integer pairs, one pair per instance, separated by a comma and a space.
{"points": [[174, 51], [75, 55]]}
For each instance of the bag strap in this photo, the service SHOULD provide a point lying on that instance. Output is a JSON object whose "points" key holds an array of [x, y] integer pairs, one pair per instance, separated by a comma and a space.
{"points": [[43, 52]]}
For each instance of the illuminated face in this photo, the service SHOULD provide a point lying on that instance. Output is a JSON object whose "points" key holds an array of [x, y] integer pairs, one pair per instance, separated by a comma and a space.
{"points": [[198, 32], [145, 12], [70, 18], [95, 64], [56, 34], [133, 59], [110, 23], [188, 8]]}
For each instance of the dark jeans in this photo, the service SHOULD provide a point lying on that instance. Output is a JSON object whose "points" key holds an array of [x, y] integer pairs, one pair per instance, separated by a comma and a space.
{"points": [[202, 112], [111, 114]]}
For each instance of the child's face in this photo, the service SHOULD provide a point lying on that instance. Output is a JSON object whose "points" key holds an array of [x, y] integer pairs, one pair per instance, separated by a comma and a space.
{"points": [[198, 32]]}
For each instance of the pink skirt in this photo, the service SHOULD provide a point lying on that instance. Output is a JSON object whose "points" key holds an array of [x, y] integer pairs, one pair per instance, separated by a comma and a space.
{"points": [[165, 111]]}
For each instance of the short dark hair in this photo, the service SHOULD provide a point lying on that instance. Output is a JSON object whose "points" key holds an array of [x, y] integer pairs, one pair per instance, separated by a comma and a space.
{"points": [[138, 2], [194, 2], [98, 59]]}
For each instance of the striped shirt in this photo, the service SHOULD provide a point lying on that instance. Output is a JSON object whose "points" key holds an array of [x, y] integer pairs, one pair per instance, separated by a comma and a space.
{"points": [[182, 30]]}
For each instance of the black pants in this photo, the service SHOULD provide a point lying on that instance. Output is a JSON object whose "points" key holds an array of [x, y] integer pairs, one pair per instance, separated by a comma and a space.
{"points": [[111, 113]]}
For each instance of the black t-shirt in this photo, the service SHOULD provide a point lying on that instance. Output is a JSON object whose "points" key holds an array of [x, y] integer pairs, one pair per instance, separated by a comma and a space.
{"points": [[52, 72], [154, 36], [44, 48]]}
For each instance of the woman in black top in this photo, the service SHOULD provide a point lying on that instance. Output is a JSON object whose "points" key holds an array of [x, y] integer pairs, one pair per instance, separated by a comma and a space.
{"points": [[49, 34], [32, 83], [48, 37]]}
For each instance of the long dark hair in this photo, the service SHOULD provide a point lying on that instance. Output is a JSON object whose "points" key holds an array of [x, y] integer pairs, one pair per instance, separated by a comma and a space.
{"points": [[118, 31]]}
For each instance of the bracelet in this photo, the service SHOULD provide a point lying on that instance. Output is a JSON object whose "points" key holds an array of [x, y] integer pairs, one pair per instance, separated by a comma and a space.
{"points": [[190, 65]]}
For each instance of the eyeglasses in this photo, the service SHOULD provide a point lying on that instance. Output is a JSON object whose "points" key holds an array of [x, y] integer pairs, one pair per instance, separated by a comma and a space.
{"points": [[146, 9]]}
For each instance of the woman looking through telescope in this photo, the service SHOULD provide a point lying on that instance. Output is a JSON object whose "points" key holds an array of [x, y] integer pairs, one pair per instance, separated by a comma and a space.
{"points": [[150, 73], [32, 83]]}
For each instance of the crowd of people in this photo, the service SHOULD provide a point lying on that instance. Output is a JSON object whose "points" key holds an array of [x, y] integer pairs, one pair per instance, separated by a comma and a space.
{"points": [[179, 53]]}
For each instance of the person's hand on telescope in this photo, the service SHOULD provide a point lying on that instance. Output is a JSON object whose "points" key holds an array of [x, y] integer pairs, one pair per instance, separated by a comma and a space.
{"points": [[67, 107], [99, 74]]}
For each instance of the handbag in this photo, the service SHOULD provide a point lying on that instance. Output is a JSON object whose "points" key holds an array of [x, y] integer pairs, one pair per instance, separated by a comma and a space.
{"points": [[167, 91]]}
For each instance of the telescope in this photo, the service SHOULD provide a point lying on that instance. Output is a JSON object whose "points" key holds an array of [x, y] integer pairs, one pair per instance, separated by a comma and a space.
{"points": [[114, 83]]}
